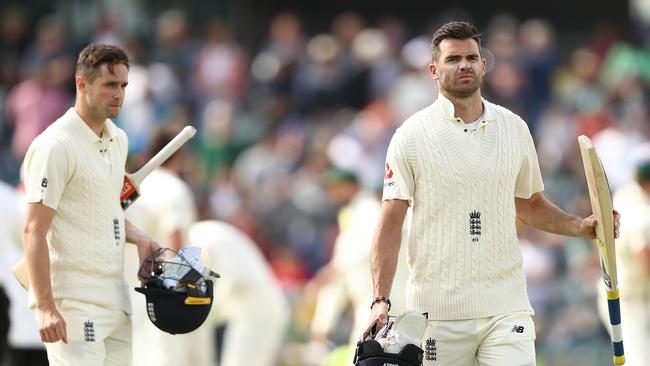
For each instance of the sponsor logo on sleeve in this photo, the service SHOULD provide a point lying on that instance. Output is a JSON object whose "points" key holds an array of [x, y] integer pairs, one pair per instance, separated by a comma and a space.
{"points": [[388, 176]]}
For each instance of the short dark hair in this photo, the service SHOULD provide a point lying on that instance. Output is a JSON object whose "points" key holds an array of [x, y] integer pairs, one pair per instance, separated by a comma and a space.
{"points": [[94, 56], [453, 30]]}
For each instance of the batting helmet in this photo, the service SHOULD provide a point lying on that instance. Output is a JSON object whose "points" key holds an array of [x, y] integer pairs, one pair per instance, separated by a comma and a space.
{"points": [[179, 309], [370, 353]]}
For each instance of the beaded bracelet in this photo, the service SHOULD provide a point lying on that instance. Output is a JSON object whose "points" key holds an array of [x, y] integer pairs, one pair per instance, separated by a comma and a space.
{"points": [[381, 299]]}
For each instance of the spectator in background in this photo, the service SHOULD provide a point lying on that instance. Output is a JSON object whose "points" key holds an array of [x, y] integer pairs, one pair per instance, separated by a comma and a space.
{"points": [[172, 60], [37, 101], [538, 59], [13, 42], [330, 77], [43, 94], [221, 66], [413, 89]]}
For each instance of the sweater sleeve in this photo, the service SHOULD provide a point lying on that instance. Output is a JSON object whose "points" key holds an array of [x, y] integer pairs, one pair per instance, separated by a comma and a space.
{"points": [[46, 172], [529, 178], [399, 181]]}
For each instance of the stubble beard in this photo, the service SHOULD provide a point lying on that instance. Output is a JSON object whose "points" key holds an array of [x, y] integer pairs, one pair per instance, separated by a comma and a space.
{"points": [[462, 92]]}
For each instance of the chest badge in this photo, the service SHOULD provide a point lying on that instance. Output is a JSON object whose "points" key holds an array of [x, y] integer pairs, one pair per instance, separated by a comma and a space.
{"points": [[475, 225]]}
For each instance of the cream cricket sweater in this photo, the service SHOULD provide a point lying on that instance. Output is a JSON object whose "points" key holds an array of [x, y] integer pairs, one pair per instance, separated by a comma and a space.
{"points": [[463, 250], [71, 170]]}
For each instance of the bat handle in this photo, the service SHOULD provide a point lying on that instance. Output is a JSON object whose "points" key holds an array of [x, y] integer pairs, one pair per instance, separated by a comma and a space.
{"points": [[163, 154], [614, 306]]}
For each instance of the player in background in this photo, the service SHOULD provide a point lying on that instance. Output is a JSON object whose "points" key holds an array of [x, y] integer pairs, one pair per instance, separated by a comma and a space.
{"points": [[24, 341], [468, 168], [75, 230], [165, 210], [247, 297], [346, 278], [633, 257]]}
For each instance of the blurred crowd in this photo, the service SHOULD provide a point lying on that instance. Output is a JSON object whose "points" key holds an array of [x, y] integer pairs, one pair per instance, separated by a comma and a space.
{"points": [[274, 121]]}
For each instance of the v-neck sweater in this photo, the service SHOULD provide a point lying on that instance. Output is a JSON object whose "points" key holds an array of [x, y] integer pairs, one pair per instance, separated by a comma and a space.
{"points": [[463, 250], [75, 172]]}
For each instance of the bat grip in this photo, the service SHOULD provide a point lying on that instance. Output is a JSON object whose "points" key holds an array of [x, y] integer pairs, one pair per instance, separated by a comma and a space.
{"points": [[614, 307]]}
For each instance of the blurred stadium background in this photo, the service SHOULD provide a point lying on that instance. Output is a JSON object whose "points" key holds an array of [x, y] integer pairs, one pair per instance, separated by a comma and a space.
{"points": [[282, 91]]}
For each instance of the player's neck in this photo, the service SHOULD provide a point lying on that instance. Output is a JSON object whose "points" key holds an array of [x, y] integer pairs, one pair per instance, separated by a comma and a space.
{"points": [[469, 108], [94, 122]]}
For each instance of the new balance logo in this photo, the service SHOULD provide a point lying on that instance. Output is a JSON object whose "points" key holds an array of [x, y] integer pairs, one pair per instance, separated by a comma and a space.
{"points": [[517, 329], [431, 350], [89, 331]]}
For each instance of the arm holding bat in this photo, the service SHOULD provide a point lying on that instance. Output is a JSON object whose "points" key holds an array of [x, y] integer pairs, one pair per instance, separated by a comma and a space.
{"points": [[539, 212], [602, 227]]}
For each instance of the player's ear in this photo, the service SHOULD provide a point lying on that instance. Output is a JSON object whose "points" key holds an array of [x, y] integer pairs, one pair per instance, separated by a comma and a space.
{"points": [[433, 71], [80, 82]]}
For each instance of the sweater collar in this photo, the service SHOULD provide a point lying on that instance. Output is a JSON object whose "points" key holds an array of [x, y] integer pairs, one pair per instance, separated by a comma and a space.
{"points": [[85, 133], [448, 110]]}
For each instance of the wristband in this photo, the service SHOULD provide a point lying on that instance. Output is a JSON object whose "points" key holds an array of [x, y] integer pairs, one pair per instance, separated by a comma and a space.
{"points": [[380, 299]]}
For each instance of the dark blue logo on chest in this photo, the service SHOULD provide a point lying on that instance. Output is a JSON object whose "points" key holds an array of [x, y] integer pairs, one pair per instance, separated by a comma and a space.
{"points": [[475, 225]]}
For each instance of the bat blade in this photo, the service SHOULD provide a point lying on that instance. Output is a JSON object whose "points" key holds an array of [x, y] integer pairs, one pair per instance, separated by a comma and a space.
{"points": [[601, 204], [130, 191]]}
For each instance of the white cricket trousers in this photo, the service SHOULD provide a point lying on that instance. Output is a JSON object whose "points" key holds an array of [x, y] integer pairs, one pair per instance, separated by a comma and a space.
{"points": [[501, 340], [96, 336]]}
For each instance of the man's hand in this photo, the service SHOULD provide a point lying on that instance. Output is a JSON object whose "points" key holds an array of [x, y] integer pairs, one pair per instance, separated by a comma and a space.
{"points": [[378, 319], [147, 248], [51, 324], [588, 226]]}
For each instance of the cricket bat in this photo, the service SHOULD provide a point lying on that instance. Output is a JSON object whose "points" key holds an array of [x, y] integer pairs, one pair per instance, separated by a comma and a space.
{"points": [[130, 188], [601, 205]]}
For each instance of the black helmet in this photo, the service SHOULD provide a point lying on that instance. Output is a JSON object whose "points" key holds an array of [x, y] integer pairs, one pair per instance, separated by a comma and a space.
{"points": [[370, 353], [181, 308]]}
